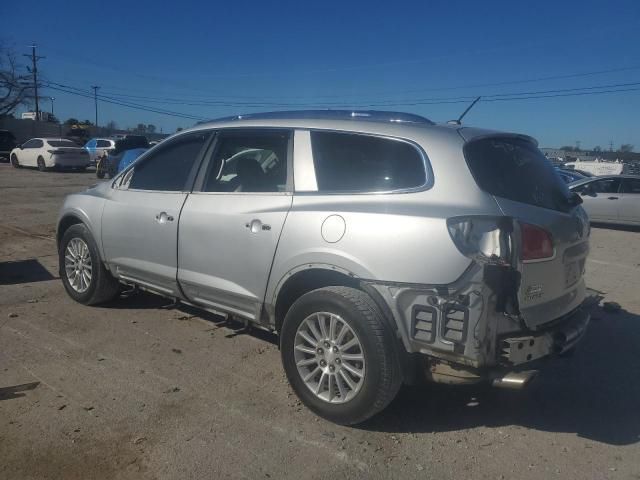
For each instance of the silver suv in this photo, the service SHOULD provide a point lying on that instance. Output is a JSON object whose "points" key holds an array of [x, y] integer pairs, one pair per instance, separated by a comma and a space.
{"points": [[381, 247]]}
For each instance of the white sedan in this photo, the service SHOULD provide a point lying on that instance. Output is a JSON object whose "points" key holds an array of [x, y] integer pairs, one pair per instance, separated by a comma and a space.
{"points": [[46, 153]]}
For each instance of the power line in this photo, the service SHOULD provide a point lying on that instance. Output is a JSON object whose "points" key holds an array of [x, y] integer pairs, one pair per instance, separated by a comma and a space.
{"points": [[528, 95], [114, 90], [130, 105]]}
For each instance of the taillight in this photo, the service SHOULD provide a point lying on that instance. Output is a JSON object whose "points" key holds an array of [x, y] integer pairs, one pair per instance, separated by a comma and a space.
{"points": [[486, 239], [537, 243]]}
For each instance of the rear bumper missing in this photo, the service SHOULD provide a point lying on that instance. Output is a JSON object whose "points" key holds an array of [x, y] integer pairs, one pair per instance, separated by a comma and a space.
{"points": [[560, 338]]}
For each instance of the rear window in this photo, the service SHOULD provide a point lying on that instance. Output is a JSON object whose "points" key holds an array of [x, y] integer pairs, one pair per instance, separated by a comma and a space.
{"points": [[514, 168], [61, 143], [346, 162]]}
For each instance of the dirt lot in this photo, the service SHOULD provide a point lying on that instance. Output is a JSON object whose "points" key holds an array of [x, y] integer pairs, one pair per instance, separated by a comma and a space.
{"points": [[143, 390]]}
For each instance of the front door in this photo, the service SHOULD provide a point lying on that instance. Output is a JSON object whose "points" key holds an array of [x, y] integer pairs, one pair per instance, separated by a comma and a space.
{"points": [[230, 225], [601, 200], [29, 155], [629, 207], [140, 218]]}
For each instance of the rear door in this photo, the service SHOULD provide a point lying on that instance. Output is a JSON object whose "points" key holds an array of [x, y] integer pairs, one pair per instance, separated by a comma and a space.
{"points": [[629, 204], [140, 217], [231, 223], [602, 199], [526, 188]]}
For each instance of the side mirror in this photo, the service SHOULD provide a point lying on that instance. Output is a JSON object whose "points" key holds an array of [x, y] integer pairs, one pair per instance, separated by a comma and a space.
{"points": [[21, 146]]}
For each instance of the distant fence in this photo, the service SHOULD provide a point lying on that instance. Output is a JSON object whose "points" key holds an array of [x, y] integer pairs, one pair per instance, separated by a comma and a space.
{"points": [[26, 129]]}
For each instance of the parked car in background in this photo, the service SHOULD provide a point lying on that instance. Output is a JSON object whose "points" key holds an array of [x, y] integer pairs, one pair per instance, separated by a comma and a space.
{"points": [[99, 147], [381, 247], [599, 168], [130, 156], [7, 143], [611, 199], [108, 165], [46, 153]]}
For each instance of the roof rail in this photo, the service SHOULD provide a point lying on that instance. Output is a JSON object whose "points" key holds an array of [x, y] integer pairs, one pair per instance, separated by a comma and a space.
{"points": [[368, 115]]}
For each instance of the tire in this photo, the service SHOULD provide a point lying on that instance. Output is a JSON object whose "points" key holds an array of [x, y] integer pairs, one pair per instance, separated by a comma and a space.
{"points": [[102, 287], [376, 342], [100, 169], [41, 165], [14, 161]]}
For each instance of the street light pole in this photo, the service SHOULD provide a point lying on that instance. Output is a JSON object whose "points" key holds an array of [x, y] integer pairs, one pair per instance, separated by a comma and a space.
{"points": [[52, 99]]}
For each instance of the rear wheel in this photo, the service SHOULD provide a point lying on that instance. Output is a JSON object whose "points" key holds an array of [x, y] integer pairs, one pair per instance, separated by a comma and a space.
{"points": [[83, 274], [15, 162], [41, 165], [339, 355]]}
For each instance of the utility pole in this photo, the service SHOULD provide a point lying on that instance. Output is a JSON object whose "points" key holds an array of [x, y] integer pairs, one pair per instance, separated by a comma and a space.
{"points": [[95, 100], [34, 70], [52, 99]]}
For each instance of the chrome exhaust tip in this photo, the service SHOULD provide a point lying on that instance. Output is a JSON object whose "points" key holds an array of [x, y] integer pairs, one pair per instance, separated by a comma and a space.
{"points": [[515, 380]]}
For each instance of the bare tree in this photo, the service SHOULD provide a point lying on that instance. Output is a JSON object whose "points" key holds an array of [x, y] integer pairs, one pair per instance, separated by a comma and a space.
{"points": [[625, 148], [16, 86]]}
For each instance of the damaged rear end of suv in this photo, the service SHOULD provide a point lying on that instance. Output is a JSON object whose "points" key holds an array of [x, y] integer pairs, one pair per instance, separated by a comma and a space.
{"points": [[520, 299]]}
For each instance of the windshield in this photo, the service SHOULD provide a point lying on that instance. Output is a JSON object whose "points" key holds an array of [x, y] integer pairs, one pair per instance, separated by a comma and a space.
{"points": [[515, 169]]}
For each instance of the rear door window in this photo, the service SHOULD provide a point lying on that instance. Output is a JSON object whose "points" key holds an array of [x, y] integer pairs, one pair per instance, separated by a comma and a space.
{"points": [[249, 161], [515, 169], [631, 185], [347, 162]]}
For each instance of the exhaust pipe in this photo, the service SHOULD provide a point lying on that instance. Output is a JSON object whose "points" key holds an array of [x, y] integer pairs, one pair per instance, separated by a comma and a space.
{"points": [[515, 380]]}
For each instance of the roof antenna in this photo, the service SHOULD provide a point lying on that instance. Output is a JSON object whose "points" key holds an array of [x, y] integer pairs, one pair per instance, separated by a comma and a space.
{"points": [[459, 120]]}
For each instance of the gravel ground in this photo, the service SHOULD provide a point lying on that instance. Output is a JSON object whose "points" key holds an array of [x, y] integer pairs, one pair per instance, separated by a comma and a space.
{"points": [[140, 389]]}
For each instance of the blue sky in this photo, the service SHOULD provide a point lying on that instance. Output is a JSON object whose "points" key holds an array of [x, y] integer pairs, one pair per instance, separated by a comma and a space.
{"points": [[343, 53]]}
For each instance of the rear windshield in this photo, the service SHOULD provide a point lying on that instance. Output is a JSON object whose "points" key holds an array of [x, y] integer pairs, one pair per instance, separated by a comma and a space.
{"points": [[514, 168], [61, 143]]}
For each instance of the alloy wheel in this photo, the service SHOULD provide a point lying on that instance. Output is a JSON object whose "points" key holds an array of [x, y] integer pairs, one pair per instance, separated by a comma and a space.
{"points": [[77, 265], [329, 357]]}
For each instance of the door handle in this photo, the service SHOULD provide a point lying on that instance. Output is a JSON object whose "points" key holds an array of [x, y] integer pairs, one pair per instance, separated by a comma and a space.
{"points": [[162, 217], [256, 225], [612, 198]]}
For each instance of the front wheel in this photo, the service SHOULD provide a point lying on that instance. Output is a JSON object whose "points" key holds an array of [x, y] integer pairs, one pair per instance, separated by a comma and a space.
{"points": [[339, 354], [83, 274], [14, 161]]}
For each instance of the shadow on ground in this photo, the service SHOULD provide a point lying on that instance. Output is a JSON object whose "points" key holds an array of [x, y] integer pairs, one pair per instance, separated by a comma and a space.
{"points": [[594, 393], [16, 391], [23, 271], [622, 228]]}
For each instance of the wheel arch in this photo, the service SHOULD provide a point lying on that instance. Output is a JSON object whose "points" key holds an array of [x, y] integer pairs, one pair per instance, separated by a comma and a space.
{"points": [[76, 217], [305, 278]]}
